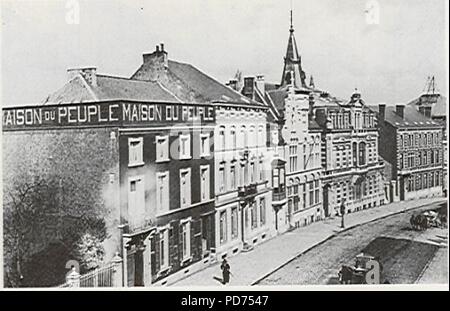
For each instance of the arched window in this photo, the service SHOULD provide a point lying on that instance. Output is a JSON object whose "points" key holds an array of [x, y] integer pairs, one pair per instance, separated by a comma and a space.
{"points": [[222, 138], [252, 136], [233, 138], [243, 138], [261, 138]]}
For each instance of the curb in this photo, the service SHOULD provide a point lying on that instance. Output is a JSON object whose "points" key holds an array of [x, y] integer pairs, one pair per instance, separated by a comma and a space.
{"points": [[336, 234]]}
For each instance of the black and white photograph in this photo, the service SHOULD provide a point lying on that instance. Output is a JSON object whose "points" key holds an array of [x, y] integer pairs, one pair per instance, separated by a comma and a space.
{"points": [[225, 145]]}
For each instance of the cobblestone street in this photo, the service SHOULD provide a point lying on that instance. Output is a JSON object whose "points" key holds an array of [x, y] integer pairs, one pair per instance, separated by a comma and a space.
{"points": [[403, 252], [249, 268]]}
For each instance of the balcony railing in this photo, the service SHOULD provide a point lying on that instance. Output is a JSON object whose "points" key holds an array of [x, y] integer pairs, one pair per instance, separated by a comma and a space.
{"points": [[247, 191]]}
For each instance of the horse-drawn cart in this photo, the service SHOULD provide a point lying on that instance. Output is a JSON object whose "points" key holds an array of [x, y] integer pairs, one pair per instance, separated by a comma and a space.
{"points": [[356, 274], [426, 219]]}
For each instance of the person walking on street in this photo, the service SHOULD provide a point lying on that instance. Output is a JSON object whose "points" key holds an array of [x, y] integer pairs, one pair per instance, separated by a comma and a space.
{"points": [[342, 213], [225, 271]]}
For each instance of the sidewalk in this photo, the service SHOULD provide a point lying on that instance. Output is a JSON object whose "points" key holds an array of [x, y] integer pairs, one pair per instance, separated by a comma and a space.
{"points": [[248, 268]]}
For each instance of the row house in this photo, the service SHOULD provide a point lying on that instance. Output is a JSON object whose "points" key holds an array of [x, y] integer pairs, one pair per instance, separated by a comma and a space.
{"points": [[415, 153], [241, 192], [139, 155]]}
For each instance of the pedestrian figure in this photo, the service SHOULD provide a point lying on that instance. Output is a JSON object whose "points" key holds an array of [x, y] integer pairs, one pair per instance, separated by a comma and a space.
{"points": [[342, 213], [225, 271]]}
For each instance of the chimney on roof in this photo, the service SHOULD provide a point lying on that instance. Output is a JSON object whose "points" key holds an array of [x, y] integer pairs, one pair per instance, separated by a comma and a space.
{"points": [[400, 110], [260, 85], [89, 74], [156, 63], [249, 87], [381, 112], [311, 82], [233, 84]]}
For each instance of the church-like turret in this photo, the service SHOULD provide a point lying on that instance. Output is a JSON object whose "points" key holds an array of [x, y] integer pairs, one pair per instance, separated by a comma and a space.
{"points": [[292, 71]]}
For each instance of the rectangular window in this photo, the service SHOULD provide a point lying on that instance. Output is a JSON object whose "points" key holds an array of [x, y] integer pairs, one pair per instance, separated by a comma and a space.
{"points": [[186, 239], [262, 211], [204, 182], [311, 193], [185, 187], [162, 192], [304, 195], [276, 179], [164, 248], [254, 215], [136, 200], [296, 201], [185, 146], [252, 172], [204, 145], [162, 148], [223, 226], [135, 151], [234, 223], [317, 191]]}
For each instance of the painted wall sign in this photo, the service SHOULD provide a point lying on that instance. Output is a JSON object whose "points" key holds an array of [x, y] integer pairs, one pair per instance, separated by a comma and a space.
{"points": [[111, 113]]}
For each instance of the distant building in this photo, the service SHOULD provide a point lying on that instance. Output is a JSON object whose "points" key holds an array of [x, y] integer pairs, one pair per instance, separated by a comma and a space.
{"points": [[414, 151], [433, 105]]}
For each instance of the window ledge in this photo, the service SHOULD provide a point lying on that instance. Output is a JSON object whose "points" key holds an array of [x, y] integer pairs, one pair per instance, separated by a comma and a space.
{"points": [[136, 164], [164, 270], [186, 260], [162, 160], [185, 158]]}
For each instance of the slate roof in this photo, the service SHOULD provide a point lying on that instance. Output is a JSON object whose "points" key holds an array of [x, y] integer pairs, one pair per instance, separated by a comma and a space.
{"points": [[438, 109], [193, 84], [110, 88], [412, 118]]}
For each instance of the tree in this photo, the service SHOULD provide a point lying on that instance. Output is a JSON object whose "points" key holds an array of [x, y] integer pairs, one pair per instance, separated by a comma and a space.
{"points": [[42, 231], [90, 251]]}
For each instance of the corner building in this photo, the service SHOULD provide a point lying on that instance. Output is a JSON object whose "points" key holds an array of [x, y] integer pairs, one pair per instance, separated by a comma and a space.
{"points": [[242, 195]]}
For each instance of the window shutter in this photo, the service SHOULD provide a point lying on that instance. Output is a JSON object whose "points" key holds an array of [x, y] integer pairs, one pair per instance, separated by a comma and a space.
{"points": [[154, 254], [196, 239], [172, 246]]}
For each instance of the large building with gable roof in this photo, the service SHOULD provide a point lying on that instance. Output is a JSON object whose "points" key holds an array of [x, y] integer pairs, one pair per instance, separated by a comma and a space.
{"points": [[243, 216], [139, 157]]}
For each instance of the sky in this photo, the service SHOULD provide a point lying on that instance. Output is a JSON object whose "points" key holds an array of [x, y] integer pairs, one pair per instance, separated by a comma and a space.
{"points": [[388, 61]]}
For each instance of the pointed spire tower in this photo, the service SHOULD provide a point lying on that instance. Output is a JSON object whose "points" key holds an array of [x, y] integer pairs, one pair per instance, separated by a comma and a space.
{"points": [[292, 71]]}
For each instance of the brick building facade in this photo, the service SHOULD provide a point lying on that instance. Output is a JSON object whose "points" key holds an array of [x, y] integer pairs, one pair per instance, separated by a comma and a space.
{"points": [[139, 156], [415, 152]]}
